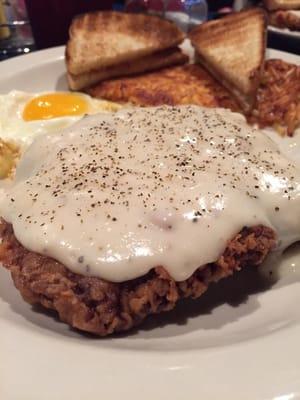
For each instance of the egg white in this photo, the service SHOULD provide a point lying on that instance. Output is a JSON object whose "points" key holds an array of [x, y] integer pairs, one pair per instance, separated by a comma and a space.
{"points": [[14, 128]]}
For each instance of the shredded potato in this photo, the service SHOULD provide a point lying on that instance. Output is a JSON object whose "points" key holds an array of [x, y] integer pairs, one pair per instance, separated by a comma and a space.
{"points": [[186, 84], [278, 98]]}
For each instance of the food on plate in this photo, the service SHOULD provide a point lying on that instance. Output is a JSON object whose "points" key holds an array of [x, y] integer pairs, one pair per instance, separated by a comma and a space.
{"points": [[284, 13], [277, 102], [117, 37], [152, 62], [131, 211], [104, 45], [285, 19], [101, 307], [233, 50], [63, 104], [23, 116], [278, 98], [282, 4], [94, 57], [187, 84], [9, 154]]}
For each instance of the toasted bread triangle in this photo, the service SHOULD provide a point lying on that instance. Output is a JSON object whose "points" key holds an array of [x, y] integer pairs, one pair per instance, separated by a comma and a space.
{"points": [[152, 62], [104, 39], [233, 49]]}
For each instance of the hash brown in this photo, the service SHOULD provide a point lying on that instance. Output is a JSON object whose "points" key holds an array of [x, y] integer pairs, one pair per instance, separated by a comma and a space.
{"points": [[188, 84], [277, 103], [278, 98]]}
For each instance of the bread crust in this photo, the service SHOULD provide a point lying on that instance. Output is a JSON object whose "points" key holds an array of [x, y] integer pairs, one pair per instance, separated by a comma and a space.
{"points": [[151, 62]]}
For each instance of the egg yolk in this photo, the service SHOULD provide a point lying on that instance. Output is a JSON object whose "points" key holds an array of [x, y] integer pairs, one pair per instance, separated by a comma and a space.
{"points": [[54, 105]]}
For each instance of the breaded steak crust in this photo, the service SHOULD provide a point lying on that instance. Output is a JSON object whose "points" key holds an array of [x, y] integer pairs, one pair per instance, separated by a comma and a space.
{"points": [[100, 307]]}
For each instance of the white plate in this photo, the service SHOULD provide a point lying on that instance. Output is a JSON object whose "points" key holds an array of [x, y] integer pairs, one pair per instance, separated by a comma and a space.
{"points": [[239, 341], [284, 32]]}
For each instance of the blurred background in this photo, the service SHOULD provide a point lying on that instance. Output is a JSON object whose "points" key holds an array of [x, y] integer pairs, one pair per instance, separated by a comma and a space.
{"points": [[27, 25]]}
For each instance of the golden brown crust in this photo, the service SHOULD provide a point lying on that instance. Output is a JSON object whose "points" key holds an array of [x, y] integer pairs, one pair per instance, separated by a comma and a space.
{"points": [[108, 38], [151, 62], [101, 307], [188, 84], [284, 19]]}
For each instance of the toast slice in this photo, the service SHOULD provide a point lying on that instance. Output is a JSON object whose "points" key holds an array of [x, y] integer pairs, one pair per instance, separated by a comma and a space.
{"points": [[107, 38], [233, 50], [285, 19], [282, 4], [151, 62]]}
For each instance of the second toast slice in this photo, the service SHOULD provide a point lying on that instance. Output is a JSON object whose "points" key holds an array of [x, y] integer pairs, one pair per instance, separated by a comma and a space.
{"points": [[233, 50]]}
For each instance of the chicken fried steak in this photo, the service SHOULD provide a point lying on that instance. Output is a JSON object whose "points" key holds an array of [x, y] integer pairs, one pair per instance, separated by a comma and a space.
{"points": [[94, 305], [123, 214]]}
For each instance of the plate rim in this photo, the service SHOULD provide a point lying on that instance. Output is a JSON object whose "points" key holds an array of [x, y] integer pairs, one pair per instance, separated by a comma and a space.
{"points": [[284, 32], [41, 57]]}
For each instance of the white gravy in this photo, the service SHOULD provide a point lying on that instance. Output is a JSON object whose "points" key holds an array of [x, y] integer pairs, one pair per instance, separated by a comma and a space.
{"points": [[118, 194], [288, 145]]}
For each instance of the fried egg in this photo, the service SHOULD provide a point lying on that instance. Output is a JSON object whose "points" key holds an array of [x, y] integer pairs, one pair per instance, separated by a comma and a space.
{"points": [[23, 116]]}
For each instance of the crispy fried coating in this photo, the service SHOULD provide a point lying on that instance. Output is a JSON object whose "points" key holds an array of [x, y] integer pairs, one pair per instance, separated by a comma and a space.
{"points": [[94, 305]]}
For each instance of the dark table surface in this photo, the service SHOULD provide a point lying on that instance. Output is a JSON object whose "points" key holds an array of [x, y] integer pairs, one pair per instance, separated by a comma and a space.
{"points": [[275, 40], [283, 42]]}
